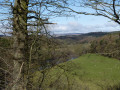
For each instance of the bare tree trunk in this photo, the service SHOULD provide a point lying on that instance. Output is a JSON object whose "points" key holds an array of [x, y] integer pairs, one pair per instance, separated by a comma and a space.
{"points": [[20, 35]]}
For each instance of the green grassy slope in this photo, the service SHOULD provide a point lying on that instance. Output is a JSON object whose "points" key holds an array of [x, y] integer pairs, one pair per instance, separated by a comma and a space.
{"points": [[88, 72]]}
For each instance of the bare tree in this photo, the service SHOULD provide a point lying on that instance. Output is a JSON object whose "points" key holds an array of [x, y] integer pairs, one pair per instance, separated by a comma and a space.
{"points": [[28, 13], [106, 8], [24, 14]]}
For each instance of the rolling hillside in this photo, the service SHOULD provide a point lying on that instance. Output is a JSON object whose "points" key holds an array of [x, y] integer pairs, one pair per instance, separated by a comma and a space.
{"points": [[88, 72]]}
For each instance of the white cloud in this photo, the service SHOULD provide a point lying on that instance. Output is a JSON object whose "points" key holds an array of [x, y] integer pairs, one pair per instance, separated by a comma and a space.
{"points": [[75, 27], [111, 24]]}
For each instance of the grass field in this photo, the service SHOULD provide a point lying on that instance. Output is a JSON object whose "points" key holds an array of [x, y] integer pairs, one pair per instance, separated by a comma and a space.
{"points": [[88, 72]]}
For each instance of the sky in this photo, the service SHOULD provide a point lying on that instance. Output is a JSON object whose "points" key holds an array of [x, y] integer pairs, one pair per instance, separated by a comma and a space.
{"points": [[81, 24]]}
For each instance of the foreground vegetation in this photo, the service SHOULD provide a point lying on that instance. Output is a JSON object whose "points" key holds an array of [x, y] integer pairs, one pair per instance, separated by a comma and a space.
{"points": [[88, 72], [53, 66]]}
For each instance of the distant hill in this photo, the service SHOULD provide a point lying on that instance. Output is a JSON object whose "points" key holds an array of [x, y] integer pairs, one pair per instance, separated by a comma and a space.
{"points": [[80, 35], [83, 34], [82, 38], [1, 35], [67, 34]]}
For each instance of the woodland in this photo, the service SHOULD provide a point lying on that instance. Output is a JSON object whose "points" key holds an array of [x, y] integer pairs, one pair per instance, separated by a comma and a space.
{"points": [[33, 59]]}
